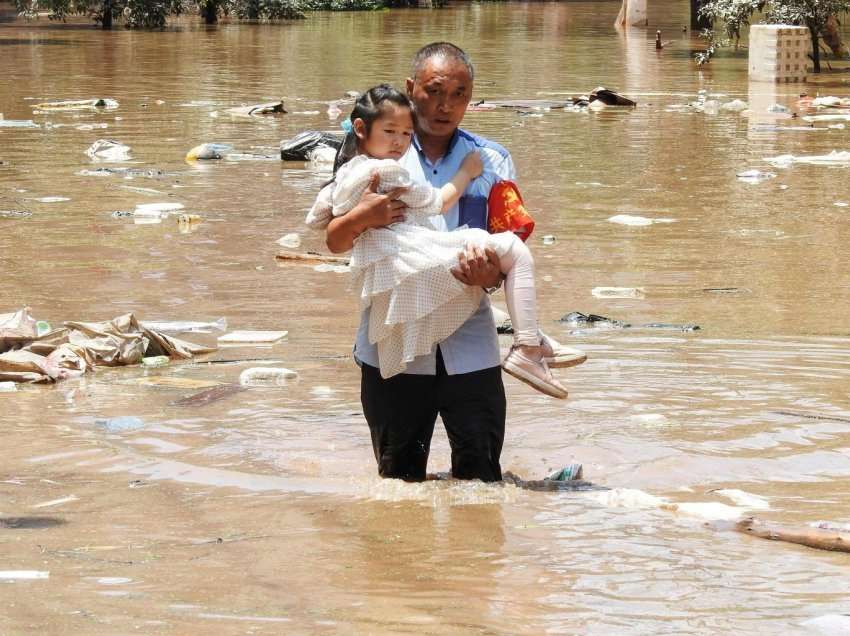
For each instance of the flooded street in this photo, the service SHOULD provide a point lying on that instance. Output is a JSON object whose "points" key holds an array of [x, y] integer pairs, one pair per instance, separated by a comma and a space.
{"points": [[262, 512]]}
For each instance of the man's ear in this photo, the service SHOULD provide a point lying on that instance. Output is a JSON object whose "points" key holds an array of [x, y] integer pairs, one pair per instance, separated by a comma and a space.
{"points": [[359, 128], [409, 84]]}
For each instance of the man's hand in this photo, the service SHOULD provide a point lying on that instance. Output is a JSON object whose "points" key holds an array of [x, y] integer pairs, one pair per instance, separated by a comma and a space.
{"points": [[377, 210], [373, 210], [478, 267]]}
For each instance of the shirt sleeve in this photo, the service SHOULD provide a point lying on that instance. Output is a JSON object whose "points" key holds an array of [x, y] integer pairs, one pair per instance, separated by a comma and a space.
{"points": [[321, 213]]}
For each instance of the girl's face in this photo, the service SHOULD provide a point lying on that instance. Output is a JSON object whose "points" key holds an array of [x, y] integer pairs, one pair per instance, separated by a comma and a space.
{"points": [[391, 133]]}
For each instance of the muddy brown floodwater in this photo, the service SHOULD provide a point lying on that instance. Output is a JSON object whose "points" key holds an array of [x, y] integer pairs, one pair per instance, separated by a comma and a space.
{"points": [[261, 512]]}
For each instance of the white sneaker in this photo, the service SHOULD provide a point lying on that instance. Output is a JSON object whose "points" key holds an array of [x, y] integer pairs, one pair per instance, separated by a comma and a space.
{"points": [[534, 373]]}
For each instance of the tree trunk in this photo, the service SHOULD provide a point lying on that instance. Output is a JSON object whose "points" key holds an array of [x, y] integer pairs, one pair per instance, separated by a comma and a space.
{"points": [[209, 10], [832, 38], [813, 31], [106, 18], [698, 22]]}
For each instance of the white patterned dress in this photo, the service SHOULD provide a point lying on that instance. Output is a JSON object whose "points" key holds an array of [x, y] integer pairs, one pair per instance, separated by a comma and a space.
{"points": [[402, 271]]}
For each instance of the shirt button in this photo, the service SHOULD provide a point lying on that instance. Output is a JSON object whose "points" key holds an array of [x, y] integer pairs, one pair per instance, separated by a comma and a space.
{"points": [[435, 172]]}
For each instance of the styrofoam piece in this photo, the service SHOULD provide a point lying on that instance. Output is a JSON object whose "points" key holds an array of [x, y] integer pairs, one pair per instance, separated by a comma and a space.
{"points": [[618, 292], [252, 337]]}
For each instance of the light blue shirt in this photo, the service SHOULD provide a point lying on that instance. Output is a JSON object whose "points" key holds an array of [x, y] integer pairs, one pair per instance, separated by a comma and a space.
{"points": [[475, 345]]}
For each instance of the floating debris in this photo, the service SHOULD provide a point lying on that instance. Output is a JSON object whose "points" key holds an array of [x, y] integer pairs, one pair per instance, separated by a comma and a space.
{"points": [[208, 151], [186, 326], [265, 376], [80, 104], [18, 123], [248, 337], [14, 214], [108, 150], [755, 176], [834, 158], [618, 292]]}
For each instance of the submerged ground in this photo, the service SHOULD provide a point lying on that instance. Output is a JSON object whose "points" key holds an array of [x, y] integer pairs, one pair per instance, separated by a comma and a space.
{"points": [[261, 512]]}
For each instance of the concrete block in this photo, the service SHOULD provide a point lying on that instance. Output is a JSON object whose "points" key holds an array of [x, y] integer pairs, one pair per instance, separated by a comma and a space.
{"points": [[779, 53]]}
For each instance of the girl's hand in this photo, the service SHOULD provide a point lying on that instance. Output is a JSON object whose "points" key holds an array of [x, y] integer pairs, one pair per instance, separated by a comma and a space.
{"points": [[472, 165]]}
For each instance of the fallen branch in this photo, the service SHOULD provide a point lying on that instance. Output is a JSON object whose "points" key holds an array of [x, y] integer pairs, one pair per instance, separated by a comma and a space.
{"points": [[804, 535], [312, 257]]}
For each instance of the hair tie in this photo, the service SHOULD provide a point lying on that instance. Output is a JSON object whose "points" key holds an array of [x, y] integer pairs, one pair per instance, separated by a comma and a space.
{"points": [[346, 125]]}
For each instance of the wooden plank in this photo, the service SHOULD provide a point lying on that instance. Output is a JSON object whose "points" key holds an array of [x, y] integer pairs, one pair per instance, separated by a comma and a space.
{"points": [[311, 257]]}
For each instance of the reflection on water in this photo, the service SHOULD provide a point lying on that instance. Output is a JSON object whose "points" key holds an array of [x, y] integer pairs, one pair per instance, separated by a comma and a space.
{"points": [[756, 400]]}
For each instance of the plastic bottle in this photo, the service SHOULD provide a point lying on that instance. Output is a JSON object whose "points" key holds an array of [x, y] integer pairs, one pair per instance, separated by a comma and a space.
{"points": [[155, 361]]}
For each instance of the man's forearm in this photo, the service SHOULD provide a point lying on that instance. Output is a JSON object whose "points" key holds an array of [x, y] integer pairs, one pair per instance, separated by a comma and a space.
{"points": [[343, 230]]}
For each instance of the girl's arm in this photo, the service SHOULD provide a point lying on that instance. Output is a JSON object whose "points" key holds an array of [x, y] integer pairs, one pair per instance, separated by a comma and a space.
{"points": [[469, 170]]}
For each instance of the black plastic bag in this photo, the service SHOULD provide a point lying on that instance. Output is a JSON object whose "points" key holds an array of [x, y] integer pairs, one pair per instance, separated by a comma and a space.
{"points": [[301, 145]]}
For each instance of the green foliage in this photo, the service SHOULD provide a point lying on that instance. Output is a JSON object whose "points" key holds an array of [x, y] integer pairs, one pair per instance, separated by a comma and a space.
{"points": [[153, 14], [735, 16], [342, 5]]}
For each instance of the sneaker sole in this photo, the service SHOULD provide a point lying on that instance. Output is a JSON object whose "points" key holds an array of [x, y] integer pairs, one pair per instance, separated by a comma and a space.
{"points": [[566, 360], [533, 382]]}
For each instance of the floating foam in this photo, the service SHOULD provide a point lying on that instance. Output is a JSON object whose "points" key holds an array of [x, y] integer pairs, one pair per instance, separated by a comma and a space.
{"points": [[742, 498]]}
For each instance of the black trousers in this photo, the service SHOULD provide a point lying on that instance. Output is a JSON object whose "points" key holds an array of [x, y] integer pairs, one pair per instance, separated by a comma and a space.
{"points": [[402, 410]]}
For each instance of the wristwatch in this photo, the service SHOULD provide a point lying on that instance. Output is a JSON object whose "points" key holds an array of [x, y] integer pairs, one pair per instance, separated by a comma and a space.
{"points": [[492, 290]]}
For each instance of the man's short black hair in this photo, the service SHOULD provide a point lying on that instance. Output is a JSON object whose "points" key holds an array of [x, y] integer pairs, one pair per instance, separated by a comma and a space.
{"points": [[441, 49]]}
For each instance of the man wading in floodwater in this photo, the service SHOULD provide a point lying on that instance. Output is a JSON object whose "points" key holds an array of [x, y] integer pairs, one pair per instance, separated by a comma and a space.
{"points": [[461, 379]]}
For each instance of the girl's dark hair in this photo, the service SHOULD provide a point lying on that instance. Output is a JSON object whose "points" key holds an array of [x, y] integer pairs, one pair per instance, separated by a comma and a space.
{"points": [[368, 107]]}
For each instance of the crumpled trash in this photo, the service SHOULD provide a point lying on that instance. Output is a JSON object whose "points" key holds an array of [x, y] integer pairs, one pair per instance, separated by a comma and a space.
{"points": [[569, 472], [208, 152], [735, 106], [78, 347], [271, 108], [322, 158], [578, 319], [778, 108], [265, 376], [609, 98], [292, 240], [502, 320], [830, 101], [14, 214], [302, 145], [108, 150], [154, 362], [79, 104]]}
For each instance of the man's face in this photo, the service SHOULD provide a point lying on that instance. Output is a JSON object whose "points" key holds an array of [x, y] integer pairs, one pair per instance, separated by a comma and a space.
{"points": [[440, 92]]}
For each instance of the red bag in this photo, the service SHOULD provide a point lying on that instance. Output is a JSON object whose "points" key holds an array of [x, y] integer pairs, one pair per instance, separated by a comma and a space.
{"points": [[506, 211]]}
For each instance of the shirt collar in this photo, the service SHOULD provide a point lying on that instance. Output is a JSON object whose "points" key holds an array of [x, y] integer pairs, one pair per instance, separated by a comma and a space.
{"points": [[452, 143]]}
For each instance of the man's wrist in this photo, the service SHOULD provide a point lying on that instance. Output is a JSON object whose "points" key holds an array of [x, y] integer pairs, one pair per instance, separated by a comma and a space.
{"points": [[493, 289]]}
